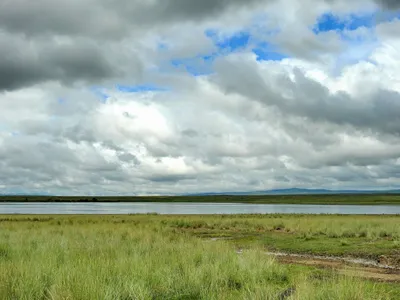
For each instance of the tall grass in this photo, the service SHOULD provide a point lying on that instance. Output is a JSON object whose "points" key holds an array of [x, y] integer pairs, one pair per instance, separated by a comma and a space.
{"points": [[339, 226], [140, 257], [360, 236]]}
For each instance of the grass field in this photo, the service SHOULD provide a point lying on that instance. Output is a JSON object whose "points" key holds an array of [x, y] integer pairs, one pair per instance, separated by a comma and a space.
{"points": [[362, 199], [162, 257], [360, 236]]}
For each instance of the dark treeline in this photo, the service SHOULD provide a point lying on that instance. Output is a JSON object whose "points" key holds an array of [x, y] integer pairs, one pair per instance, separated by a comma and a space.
{"points": [[377, 199]]}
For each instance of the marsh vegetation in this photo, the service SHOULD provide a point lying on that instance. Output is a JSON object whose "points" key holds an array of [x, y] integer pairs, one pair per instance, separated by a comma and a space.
{"points": [[173, 257]]}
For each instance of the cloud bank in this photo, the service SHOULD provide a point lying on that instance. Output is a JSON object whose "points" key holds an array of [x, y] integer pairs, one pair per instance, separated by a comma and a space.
{"points": [[164, 97]]}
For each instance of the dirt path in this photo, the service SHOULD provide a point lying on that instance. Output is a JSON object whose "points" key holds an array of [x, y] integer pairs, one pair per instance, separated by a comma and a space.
{"points": [[347, 266], [342, 260], [350, 266]]}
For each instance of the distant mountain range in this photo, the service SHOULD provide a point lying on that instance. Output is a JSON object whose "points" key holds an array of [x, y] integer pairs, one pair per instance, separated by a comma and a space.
{"points": [[299, 191], [290, 191]]}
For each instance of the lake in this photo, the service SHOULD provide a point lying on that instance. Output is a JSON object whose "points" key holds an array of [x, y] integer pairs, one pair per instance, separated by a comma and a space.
{"points": [[191, 208]]}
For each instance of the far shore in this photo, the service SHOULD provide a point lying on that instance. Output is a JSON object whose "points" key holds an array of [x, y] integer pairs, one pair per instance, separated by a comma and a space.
{"points": [[328, 199]]}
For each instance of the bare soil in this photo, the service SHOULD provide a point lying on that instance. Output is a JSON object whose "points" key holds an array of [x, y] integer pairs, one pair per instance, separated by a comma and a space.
{"points": [[346, 266]]}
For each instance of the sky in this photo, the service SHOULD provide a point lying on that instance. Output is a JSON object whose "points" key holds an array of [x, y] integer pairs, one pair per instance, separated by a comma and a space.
{"points": [[153, 97]]}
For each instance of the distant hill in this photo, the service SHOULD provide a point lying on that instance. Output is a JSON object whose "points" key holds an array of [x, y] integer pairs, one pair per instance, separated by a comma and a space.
{"points": [[290, 191]]}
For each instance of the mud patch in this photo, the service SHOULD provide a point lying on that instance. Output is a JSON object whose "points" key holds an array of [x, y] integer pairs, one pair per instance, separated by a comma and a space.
{"points": [[346, 266], [391, 260], [337, 259]]}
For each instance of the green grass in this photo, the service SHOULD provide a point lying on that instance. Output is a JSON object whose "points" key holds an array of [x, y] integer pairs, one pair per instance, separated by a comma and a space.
{"points": [[362, 199], [360, 236], [160, 257]]}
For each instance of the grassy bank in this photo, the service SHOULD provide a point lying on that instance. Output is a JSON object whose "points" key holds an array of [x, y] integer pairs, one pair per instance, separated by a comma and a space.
{"points": [[362, 199], [161, 257], [359, 236]]}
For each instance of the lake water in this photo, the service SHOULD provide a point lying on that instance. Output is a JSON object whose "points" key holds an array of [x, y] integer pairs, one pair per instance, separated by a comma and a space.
{"points": [[191, 208]]}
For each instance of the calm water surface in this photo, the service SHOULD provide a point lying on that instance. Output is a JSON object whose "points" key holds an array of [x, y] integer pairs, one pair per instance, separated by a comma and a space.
{"points": [[191, 208]]}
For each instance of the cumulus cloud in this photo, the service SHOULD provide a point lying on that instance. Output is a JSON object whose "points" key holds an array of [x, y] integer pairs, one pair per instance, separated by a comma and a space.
{"points": [[26, 62], [294, 93], [105, 18], [322, 114]]}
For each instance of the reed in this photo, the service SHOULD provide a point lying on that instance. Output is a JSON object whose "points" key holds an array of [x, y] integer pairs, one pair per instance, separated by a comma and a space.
{"points": [[149, 257]]}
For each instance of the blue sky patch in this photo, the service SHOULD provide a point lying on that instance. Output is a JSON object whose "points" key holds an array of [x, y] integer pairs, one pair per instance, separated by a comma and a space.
{"points": [[264, 51], [162, 46], [202, 64], [359, 45], [196, 66], [330, 21], [236, 41]]}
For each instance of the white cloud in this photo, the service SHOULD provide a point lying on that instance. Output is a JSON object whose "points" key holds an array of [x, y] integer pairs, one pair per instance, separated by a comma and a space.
{"points": [[326, 116]]}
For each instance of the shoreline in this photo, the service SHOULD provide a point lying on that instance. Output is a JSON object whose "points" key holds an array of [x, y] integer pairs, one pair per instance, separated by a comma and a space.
{"points": [[316, 199]]}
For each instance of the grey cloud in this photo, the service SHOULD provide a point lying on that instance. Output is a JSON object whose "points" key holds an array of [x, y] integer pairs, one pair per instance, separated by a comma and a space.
{"points": [[88, 41], [111, 20], [308, 98], [282, 147], [26, 152], [97, 33], [244, 127], [73, 17], [128, 157], [390, 4], [94, 41], [49, 60], [190, 133], [105, 18], [181, 9], [391, 29], [298, 41], [380, 111], [27, 162], [247, 81], [342, 157], [389, 169], [169, 178], [128, 115], [36, 165]]}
